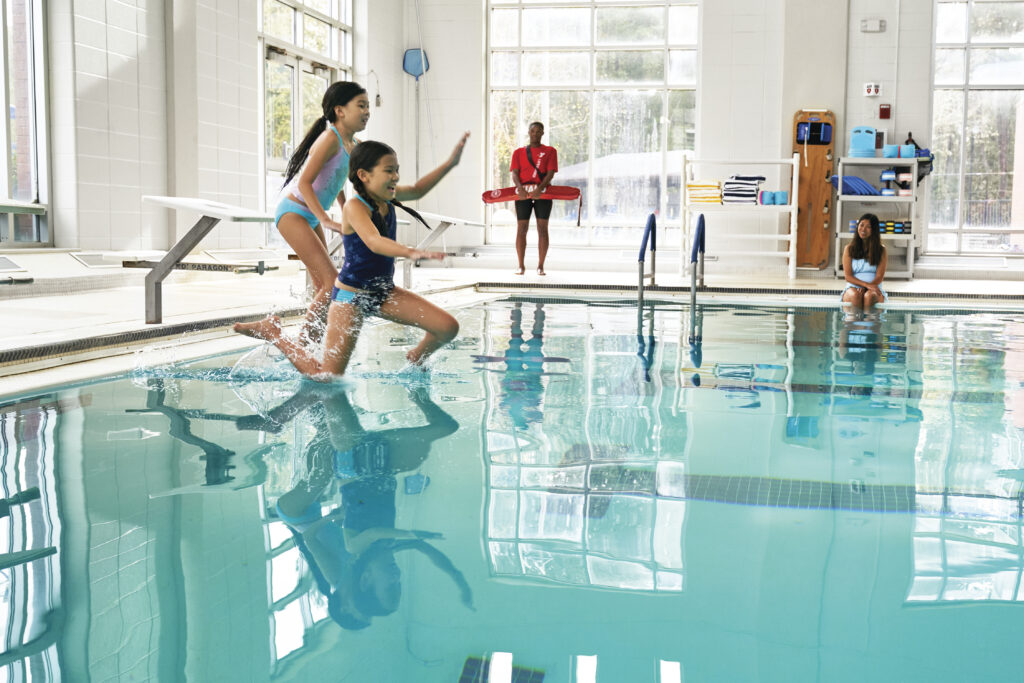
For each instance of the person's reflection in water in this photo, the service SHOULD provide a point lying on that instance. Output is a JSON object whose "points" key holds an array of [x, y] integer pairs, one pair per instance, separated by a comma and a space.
{"points": [[522, 388], [351, 551], [859, 342]]}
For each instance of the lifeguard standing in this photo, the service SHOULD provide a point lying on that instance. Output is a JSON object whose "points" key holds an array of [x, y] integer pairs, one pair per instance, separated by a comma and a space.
{"points": [[533, 168]]}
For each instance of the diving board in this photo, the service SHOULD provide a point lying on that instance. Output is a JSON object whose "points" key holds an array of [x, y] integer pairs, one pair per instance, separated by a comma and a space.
{"points": [[443, 224], [211, 213]]}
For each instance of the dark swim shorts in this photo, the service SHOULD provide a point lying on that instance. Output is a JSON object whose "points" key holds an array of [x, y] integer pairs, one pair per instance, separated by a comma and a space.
{"points": [[540, 207]]}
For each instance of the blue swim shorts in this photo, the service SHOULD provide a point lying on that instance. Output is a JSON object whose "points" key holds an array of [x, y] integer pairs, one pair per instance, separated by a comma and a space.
{"points": [[368, 300], [288, 205]]}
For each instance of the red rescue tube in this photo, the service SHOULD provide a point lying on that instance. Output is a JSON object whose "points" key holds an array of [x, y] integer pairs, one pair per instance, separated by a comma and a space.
{"points": [[564, 192]]}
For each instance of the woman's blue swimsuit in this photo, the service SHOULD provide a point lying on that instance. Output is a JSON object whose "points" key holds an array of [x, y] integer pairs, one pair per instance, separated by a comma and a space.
{"points": [[863, 271]]}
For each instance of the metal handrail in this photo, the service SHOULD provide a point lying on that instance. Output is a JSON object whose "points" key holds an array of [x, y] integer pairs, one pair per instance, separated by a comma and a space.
{"points": [[650, 233], [696, 266]]}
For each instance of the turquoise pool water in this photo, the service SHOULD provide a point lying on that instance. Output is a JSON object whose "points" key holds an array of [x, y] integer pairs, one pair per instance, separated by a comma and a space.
{"points": [[803, 496]]}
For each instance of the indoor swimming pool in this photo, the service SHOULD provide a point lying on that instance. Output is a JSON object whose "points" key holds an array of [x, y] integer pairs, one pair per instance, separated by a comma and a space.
{"points": [[575, 492]]}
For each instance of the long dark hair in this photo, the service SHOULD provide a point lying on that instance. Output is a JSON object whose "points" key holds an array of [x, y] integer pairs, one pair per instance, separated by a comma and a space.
{"points": [[365, 157], [871, 248], [337, 95]]}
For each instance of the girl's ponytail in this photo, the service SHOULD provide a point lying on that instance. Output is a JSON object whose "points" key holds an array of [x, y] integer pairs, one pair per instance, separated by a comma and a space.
{"points": [[412, 212], [302, 151]]}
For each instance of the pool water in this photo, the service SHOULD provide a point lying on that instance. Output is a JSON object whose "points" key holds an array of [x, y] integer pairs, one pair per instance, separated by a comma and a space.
{"points": [[575, 492]]}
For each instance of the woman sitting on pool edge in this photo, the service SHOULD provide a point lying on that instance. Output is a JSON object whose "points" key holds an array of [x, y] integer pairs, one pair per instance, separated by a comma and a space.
{"points": [[365, 285], [864, 262]]}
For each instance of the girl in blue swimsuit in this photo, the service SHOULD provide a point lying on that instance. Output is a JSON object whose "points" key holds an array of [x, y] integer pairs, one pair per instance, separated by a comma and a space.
{"points": [[315, 178], [365, 284], [864, 262]]}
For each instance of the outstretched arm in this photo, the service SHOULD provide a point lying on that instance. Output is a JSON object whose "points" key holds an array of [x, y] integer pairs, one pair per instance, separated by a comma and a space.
{"points": [[441, 561], [357, 215], [424, 184]]}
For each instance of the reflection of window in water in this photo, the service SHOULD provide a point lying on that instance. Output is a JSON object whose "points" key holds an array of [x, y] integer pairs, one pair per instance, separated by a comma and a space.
{"points": [[967, 538], [29, 563], [967, 559], [587, 523]]}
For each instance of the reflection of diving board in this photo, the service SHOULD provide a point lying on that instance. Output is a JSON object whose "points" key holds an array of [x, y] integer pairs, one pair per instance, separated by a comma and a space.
{"points": [[8, 560], [211, 214]]}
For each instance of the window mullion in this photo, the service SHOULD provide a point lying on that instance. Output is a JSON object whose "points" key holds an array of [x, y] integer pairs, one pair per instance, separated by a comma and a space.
{"points": [[962, 179], [5, 130]]}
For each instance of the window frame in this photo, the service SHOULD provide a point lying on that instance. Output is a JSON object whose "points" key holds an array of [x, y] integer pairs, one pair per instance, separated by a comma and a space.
{"points": [[665, 88], [38, 208], [964, 90], [337, 67]]}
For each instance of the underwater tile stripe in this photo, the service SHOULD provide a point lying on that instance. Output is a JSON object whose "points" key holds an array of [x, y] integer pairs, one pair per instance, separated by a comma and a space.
{"points": [[27, 353], [862, 391], [774, 492], [477, 670], [794, 493]]}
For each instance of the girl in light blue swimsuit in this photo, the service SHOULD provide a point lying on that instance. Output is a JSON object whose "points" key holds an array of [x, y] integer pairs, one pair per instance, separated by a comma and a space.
{"points": [[315, 178], [864, 261]]}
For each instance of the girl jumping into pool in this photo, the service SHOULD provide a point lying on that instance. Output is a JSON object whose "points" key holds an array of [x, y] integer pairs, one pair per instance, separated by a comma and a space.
{"points": [[365, 284], [301, 216], [864, 262]]}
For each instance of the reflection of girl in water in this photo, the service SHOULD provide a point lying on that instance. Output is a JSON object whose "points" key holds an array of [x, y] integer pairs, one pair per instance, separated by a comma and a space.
{"points": [[351, 551], [859, 341]]}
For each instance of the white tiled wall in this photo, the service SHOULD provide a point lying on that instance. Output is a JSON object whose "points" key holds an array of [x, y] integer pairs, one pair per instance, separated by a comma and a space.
{"points": [[898, 58], [109, 132], [740, 79], [112, 119], [228, 107], [452, 102]]}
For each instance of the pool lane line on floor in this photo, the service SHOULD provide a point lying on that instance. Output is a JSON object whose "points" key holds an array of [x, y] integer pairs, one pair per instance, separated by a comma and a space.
{"points": [[781, 291]]}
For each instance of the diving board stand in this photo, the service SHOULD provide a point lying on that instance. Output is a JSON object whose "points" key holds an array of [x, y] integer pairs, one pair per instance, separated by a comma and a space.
{"points": [[443, 224], [211, 213]]}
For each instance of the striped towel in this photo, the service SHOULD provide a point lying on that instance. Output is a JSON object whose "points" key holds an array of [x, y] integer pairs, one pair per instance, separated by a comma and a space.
{"points": [[741, 189]]}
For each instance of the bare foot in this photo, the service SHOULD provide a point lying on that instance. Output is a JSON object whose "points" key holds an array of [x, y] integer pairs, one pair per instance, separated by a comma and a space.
{"points": [[540, 271], [520, 271], [269, 328]]}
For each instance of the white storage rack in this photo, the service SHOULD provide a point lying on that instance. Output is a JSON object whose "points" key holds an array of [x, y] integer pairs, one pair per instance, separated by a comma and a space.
{"points": [[786, 239], [842, 226]]}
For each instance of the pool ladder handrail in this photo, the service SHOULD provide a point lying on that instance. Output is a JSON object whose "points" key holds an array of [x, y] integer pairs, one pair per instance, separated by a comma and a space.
{"points": [[696, 278], [650, 233]]}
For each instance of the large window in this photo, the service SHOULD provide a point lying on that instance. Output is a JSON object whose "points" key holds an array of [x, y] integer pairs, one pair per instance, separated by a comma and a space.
{"points": [[22, 135], [306, 46], [615, 86], [977, 189]]}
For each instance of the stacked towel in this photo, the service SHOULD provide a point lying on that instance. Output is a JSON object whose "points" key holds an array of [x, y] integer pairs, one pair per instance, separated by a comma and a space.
{"points": [[704, 192], [741, 189]]}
